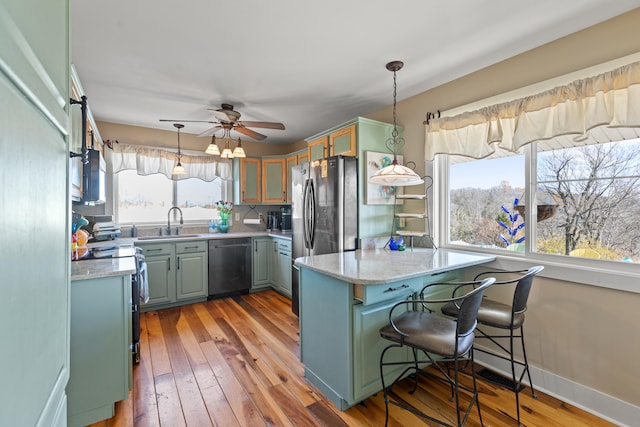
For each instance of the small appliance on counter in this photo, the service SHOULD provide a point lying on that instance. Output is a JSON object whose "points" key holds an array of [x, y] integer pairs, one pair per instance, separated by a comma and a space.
{"points": [[273, 220], [285, 218]]}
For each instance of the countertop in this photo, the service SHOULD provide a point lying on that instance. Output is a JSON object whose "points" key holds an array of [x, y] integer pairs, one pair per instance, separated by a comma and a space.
{"points": [[207, 236], [379, 266], [95, 268]]}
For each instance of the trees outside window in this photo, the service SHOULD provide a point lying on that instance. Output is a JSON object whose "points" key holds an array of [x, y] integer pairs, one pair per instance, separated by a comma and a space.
{"points": [[591, 192]]}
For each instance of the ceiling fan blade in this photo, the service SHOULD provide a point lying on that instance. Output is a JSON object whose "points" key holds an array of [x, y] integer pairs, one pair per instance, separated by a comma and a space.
{"points": [[211, 131], [250, 133], [265, 125], [187, 121]]}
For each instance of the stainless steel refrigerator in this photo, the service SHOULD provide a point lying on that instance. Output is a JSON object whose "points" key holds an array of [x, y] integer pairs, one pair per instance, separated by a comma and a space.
{"points": [[324, 201]]}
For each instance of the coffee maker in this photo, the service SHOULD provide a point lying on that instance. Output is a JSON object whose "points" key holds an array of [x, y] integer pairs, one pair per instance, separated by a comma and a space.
{"points": [[273, 220], [285, 218]]}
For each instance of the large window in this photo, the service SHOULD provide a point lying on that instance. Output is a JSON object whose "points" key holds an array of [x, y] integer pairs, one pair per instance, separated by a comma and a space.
{"points": [[146, 199], [587, 201]]}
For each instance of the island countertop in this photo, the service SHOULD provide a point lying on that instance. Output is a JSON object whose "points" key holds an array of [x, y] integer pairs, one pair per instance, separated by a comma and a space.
{"points": [[380, 266]]}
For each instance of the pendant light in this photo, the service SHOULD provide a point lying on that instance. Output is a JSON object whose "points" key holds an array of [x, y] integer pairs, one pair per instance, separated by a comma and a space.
{"points": [[395, 174], [178, 169]]}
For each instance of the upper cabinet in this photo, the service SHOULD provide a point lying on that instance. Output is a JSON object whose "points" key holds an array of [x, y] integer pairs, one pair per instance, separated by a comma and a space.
{"points": [[250, 177], [318, 148], [274, 180], [291, 162], [343, 141]]}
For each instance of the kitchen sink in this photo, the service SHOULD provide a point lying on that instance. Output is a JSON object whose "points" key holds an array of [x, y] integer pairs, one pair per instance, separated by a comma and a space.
{"points": [[175, 236]]}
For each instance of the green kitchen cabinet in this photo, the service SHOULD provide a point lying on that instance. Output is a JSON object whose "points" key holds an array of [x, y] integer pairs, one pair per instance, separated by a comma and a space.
{"points": [[260, 277], [250, 190], [318, 148], [192, 270], [178, 273], [159, 258], [274, 180], [100, 354], [291, 162], [343, 141], [281, 266]]}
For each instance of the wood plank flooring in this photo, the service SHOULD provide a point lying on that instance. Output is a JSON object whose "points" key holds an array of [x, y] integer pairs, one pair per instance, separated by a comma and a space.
{"points": [[235, 362]]}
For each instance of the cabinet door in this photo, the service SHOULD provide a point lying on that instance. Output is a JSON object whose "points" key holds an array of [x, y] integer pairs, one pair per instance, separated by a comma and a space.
{"points": [[343, 141], [192, 275], [318, 148], [273, 181], [368, 345], [260, 274], [291, 162], [161, 280], [250, 191], [274, 271], [284, 267], [303, 157]]}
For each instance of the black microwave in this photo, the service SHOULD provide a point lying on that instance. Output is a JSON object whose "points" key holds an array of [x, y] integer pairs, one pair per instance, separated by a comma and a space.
{"points": [[93, 178]]}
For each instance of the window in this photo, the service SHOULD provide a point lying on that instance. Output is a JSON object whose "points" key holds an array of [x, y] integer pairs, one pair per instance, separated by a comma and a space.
{"points": [[587, 201], [147, 198]]}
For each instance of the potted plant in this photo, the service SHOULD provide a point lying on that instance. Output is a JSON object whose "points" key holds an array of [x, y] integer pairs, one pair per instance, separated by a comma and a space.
{"points": [[224, 210]]}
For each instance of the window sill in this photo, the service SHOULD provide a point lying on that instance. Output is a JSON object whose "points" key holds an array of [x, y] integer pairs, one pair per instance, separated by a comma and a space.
{"points": [[606, 274]]}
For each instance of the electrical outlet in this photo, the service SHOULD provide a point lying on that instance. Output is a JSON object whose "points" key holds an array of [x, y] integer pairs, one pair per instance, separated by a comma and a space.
{"points": [[401, 223], [237, 217]]}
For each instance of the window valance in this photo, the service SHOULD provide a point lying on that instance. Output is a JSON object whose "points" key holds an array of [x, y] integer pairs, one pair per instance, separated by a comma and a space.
{"points": [[150, 160], [593, 110]]}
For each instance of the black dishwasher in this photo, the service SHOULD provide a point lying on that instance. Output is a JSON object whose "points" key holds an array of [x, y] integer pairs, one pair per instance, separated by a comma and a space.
{"points": [[229, 267]]}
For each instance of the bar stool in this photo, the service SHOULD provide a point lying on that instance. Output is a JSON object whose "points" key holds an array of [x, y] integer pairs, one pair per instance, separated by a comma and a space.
{"points": [[505, 317], [439, 339]]}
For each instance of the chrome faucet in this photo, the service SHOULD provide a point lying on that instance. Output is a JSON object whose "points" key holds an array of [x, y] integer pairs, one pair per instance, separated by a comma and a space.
{"points": [[169, 219]]}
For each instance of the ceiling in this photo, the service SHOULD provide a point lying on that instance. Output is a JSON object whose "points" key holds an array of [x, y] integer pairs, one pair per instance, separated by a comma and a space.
{"points": [[309, 65]]}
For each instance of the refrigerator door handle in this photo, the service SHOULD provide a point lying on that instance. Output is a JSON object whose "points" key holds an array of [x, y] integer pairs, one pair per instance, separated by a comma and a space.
{"points": [[312, 216], [305, 214]]}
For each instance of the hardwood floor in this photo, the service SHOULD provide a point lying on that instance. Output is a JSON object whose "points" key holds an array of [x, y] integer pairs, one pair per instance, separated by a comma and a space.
{"points": [[235, 362]]}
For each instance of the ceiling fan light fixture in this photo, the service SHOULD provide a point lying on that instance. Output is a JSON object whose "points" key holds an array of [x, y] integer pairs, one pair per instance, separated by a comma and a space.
{"points": [[213, 147], [178, 169], [239, 151], [395, 174]]}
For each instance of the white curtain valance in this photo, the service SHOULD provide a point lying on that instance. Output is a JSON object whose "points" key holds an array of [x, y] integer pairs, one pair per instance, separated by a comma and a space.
{"points": [[149, 160], [597, 109]]}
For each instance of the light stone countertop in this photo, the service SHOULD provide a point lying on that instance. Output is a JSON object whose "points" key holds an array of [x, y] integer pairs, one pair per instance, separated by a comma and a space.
{"points": [[106, 267], [209, 236], [379, 266]]}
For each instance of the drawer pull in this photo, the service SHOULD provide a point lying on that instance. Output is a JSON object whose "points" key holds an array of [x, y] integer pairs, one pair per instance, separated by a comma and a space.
{"points": [[397, 289], [190, 247], [153, 250]]}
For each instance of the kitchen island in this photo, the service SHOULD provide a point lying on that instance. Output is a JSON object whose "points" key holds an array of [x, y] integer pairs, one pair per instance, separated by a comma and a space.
{"points": [[345, 299]]}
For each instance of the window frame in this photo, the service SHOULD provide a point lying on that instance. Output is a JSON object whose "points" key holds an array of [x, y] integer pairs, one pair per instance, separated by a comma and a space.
{"points": [[603, 273]]}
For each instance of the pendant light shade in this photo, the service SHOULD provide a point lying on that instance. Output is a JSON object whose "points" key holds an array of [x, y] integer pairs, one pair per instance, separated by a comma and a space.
{"points": [[213, 147], [178, 169], [239, 151], [395, 174]]}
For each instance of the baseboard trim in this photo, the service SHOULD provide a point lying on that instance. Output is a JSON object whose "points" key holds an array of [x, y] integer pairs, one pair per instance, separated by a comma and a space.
{"points": [[593, 401]]}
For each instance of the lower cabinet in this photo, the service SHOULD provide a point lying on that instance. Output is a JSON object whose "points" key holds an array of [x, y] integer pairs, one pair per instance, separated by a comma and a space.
{"points": [[272, 265], [260, 277], [100, 363], [177, 272]]}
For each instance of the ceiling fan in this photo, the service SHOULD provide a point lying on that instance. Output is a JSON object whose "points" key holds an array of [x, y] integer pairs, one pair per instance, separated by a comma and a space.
{"points": [[229, 119]]}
